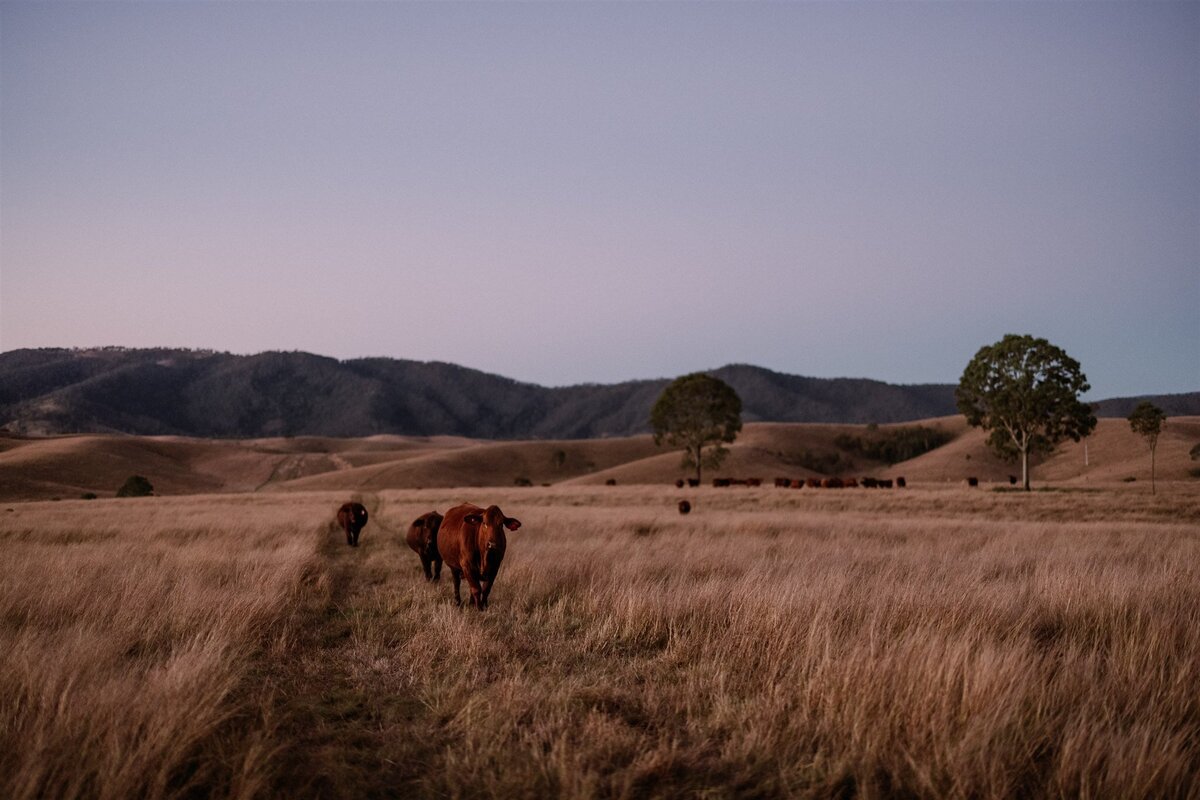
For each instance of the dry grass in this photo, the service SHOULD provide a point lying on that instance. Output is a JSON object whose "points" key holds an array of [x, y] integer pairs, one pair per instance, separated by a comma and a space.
{"points": [[772, 644], [126, 630]]}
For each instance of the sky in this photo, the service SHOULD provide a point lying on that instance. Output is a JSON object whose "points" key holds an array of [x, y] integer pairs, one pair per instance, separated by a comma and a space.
{"points": [[594, 192]]}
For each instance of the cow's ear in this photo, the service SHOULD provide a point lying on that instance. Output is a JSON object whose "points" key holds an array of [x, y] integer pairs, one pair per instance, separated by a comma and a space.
{"points": [[419, 523], [512, 523], [474, 519]]}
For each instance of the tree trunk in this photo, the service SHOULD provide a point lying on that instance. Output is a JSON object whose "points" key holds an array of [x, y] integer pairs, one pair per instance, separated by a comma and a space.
{"points": [[699, 450], [1152, 489], [1025, 468]]}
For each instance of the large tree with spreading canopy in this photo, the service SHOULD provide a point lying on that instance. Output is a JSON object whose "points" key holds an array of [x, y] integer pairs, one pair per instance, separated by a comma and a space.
{"points": [[696, 412], [1025, 391]]}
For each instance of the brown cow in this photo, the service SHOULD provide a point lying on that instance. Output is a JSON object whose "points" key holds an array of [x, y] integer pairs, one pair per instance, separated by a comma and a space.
{"points": [[471, 542], [422, 538], [352, 517], [684, 507]]}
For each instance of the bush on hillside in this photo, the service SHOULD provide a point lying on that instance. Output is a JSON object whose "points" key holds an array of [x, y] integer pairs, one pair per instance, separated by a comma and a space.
{"points": [[135, 486]]}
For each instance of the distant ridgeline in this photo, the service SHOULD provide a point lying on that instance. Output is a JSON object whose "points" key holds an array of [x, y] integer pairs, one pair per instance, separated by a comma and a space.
{"points": [[206, 393]]}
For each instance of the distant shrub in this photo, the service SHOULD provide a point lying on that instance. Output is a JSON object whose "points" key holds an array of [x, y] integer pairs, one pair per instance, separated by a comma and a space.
{"points": [[135, 486], [1195, 453], [522, 481], [88, 496], [894, 446], [1194, 472], [1129, 479]]}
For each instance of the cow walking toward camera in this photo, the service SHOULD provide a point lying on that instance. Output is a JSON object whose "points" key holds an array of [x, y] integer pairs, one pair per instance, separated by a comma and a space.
{"points": [[471, 541], [352, 517], [422, 538]]}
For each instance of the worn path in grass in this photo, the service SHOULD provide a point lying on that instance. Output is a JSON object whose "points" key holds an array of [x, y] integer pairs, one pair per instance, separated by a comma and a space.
{"points": [[333, 729]]}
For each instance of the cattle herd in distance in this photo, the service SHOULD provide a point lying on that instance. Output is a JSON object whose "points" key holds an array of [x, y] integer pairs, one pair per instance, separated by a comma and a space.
{"points": [[469, 539]]}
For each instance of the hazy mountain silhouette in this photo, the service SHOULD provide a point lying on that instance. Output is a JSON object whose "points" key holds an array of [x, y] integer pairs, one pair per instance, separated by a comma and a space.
{"points": [[204, 393]]}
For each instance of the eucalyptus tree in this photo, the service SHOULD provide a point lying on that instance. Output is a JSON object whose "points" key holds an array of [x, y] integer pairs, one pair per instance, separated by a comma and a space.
{"points": [[697, 411], [1025, 392]]}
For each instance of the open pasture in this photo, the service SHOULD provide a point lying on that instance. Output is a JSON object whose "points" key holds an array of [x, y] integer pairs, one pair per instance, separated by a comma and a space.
{"points": [[773, 643]]}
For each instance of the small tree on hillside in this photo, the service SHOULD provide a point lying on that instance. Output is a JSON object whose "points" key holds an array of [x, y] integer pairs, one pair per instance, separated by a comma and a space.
{"points": [[135, 486], [1025, 391], [696, 412], [1147, 421]]}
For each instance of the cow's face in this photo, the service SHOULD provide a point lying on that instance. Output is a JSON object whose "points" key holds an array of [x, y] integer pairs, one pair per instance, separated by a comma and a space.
{"points": [[359, 514], [491, 539], [427, 530]]}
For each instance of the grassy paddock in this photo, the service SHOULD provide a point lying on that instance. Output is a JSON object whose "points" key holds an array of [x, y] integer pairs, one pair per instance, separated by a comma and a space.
{"points": [[773, 643], [127, 630]]}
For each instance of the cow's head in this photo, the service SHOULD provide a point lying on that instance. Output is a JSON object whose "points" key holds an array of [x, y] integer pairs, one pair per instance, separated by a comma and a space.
{"points": [[427, 527], [490, 527]]}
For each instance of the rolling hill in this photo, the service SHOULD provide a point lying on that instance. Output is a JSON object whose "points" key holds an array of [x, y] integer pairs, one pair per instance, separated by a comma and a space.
{"points": [[68, 466], [206, 394]]}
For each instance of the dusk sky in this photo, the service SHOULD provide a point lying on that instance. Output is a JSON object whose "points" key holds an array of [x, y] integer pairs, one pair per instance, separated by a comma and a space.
{"points": [[565, 193]]}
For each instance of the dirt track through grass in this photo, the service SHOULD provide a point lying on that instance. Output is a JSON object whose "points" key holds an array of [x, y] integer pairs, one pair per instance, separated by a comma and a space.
{"points": [[330, 723]]}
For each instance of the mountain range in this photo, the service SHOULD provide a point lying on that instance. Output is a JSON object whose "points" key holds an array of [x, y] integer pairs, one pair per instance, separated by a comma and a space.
{"points": [[212, 394]]}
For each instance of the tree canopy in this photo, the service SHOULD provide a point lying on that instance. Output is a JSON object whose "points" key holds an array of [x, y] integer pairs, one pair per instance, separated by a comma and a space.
{"points": [[697, 411], [1025, 392]]}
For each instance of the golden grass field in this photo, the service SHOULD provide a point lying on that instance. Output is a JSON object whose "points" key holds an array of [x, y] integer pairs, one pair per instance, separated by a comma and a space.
{"points": [[932, 642]]}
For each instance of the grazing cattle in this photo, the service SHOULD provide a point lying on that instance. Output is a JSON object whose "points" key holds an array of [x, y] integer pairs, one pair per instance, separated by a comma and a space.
{"points": [[719, 482], [850, 483], [798, 483], [472, 543], [754, 481], [901, 483], [885, 483], [684, 507], [422, 538], [693, 482], [783, 482], [831, 483], [870, 483], [814, 483], [679, 483], [1012, 480], [352, 517], [611, 482], [972, 481]]}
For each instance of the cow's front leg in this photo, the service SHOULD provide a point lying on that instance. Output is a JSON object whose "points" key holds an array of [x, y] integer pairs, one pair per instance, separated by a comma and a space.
{"points": [[477, 598], [457, 574]]}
